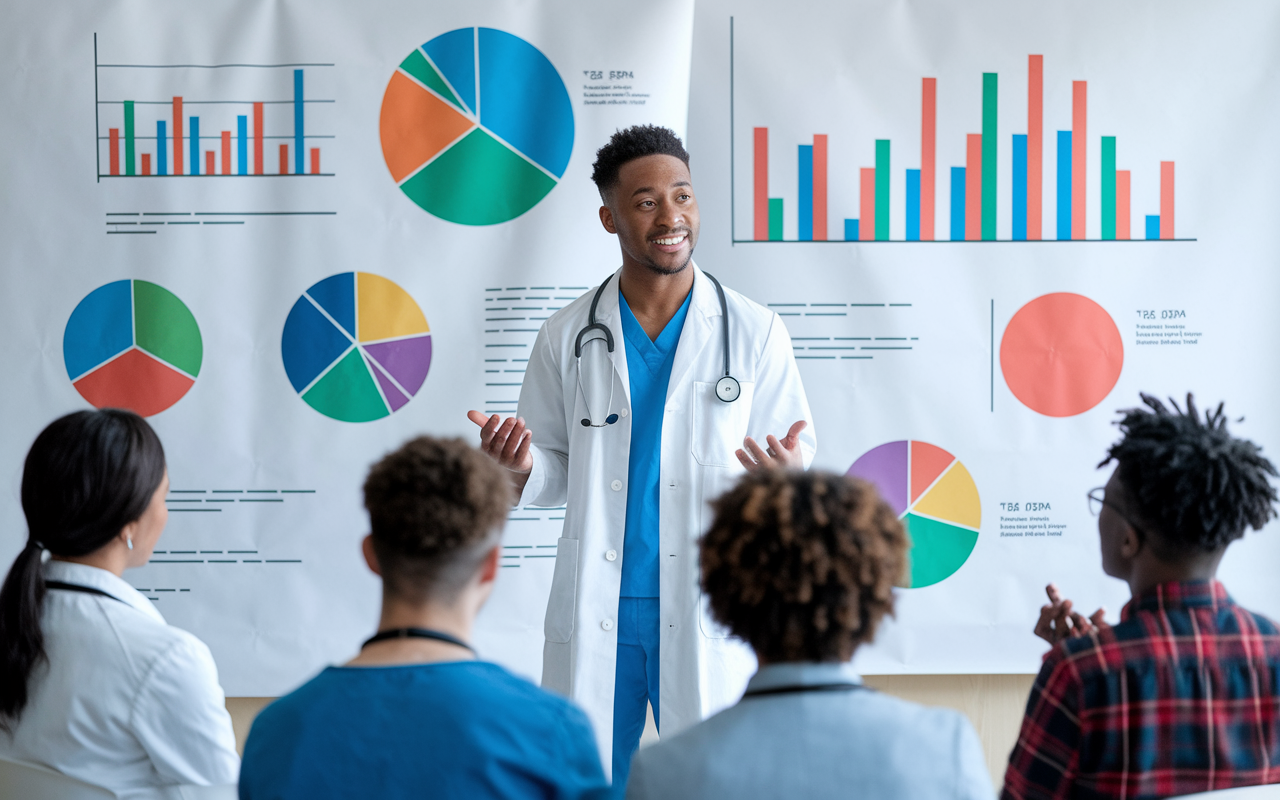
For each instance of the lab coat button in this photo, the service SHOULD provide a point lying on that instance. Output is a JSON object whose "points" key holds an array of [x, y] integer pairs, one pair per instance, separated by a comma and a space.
{"points": [[611, 555], [623, 412], [616, 486], [607, 624]]}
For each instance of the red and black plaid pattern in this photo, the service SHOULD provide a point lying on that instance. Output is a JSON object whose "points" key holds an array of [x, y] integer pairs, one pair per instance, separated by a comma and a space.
{"points": [[1180, 697]]}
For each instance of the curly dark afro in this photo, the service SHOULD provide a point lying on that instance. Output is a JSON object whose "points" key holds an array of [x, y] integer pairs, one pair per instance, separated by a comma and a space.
{"points": [[635, 142], [1190, 481], [435, 505], [802, 565]]}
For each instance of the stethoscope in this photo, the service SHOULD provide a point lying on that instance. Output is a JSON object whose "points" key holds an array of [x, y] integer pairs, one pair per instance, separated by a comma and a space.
{"points": [[595, 369]]}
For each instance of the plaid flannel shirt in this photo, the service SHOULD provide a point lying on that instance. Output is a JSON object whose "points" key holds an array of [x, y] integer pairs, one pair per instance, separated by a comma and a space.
{"points": [[1182, 696]]}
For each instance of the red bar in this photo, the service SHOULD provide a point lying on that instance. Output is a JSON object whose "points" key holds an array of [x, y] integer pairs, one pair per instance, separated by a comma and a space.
{"points": [[114, 149], [1122, 204], [1166, 199], [819, 187], [760, 186], [315, 161], [210, 168], [177, 136], [973, 188], [928, 152], [146, 163], [867, 212], [226, 152], [1079, 138], [257, 138], [284, 159], [1035, 146]]}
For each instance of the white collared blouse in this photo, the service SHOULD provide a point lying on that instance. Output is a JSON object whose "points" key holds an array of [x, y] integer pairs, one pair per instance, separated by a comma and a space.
{"points": [[125, 700]]}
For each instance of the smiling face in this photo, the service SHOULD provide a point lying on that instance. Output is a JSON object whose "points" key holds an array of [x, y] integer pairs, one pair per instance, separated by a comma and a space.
{"points": [[654, 213]]}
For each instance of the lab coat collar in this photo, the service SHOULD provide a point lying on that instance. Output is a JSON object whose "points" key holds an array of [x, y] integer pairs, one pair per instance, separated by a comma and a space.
{"points": [[95, 578], [803, 673]]}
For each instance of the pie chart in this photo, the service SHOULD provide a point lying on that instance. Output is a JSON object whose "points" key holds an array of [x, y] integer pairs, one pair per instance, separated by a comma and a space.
{"points": [[356, 347], [132, 344], [476, 126], [1061, 354], [934, 495]]}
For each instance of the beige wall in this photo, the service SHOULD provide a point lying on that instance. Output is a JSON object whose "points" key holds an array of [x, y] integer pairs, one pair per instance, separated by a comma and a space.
{"points": [[993, 703]]}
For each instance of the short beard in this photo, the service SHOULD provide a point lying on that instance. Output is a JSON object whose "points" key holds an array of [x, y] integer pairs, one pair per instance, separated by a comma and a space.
{"points": [[657, 270]]}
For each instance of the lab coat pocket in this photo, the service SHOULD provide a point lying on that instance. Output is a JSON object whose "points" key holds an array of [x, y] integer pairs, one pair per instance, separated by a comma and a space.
{"points": [[719, 427], [561, 605], [707, 622]]}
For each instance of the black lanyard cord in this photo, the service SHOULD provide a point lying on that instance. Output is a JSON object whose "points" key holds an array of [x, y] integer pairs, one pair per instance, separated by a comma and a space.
{"points": [[821, 687], [417, 633], [75, 587]]}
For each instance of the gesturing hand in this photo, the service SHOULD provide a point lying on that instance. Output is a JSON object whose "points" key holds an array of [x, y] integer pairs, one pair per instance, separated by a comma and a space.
{"points": [[785, 453], [1058, 621], [506, 442]]}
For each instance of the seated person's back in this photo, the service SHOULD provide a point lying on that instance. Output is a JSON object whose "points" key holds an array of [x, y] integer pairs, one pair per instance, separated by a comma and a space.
{"points": [[93, 683], [1124, 711], [802, 566], [415, 714]]}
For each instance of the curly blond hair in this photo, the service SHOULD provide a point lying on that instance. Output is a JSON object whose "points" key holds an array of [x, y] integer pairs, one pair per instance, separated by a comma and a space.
{"points": [[802, 565]]}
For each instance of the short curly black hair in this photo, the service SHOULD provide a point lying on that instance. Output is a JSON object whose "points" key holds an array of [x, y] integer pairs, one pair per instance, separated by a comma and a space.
{"points": [[1194, 485], [435, 507], [635, 142], [802, 565]]}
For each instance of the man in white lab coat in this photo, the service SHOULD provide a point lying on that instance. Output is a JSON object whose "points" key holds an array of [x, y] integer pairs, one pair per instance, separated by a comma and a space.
{"points": [[633, 426]]}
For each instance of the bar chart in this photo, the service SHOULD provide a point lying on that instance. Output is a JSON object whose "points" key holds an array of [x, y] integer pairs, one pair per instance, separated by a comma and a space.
{"points": [[212, 120], [969, 189]]}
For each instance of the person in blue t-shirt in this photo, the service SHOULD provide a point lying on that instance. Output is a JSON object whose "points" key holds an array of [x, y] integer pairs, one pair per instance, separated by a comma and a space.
{"points": [[417, 714]]}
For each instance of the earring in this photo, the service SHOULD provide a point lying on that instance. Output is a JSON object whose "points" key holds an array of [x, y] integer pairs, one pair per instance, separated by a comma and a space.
{"points": [[128, 543]]}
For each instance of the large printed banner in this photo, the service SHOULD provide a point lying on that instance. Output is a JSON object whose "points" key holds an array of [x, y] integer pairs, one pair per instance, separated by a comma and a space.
{"points": [[302, 232], [989, 226], [295, 234]]}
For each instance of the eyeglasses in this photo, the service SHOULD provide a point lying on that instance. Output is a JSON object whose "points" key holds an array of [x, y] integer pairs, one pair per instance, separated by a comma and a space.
{"points": [[1098, 499]]}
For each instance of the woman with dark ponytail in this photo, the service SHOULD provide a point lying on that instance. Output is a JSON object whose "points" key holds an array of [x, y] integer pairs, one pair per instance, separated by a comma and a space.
{"points": [[93, 683]]}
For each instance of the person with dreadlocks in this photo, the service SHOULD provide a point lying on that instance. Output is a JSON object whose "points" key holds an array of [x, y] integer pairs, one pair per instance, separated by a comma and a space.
{"points": [[1183, 694]]}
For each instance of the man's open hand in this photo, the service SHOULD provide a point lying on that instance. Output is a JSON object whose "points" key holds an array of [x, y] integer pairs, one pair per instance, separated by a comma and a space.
{"points": [[783, 453], [1058, 621], [505, 441]]}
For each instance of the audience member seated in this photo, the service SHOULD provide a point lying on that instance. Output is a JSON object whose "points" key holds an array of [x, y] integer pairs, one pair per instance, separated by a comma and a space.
{"points": [[416, 714], [801, 565], [93, 683], [1182, 694]]}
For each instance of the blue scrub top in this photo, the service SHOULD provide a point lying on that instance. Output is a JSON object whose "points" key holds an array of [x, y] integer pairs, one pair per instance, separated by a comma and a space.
{"points": [[649, 368]]}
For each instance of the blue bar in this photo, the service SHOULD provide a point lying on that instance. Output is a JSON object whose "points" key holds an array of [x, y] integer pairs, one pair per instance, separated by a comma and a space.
{"points": [[194, 126], [1020, 187], [913, 205], [957, 204], [162, 149], [1064, 186], [851, 230], [806, 193], [1153, 226], [242, 130], [299, 151]]}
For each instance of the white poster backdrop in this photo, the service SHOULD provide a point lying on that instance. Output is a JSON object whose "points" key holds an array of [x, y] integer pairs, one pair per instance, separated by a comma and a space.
{"points": [[1181, 82], [261, 555]]}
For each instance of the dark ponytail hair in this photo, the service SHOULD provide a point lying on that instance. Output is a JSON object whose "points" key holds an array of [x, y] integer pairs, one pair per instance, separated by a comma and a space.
{"points": [[87, 476]]}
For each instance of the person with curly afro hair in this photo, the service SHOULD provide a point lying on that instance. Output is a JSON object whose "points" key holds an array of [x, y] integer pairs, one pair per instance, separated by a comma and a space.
{"points": [[802, 566], [417, 713], [1183, 694]]}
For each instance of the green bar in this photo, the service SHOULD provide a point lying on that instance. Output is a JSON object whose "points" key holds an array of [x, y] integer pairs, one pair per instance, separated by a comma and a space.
{"points": [[882, 190], [1108, 187], [128, 137], [989, 82], [775, 219]]}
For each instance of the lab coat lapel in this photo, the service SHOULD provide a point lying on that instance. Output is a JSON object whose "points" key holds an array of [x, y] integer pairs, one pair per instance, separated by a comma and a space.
{"points": [[701, 323], [608, 313]]}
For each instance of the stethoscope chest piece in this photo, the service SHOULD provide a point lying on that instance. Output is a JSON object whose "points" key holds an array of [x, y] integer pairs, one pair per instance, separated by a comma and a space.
{"points": [[728, 389]]}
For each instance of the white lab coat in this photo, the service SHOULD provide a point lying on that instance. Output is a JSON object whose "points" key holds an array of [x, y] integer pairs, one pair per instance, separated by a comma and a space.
{"points": [[701, 671]]}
